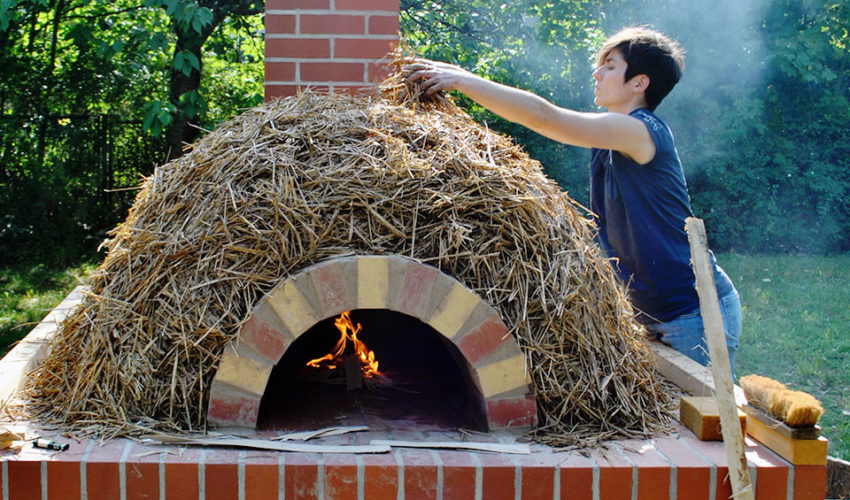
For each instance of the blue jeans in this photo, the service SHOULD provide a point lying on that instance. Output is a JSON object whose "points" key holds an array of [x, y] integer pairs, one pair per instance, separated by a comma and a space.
{"points": [[686, 333]]}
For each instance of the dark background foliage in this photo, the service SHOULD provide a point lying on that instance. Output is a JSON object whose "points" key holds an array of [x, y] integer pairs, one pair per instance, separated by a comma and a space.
{"points": [[94, 94]]}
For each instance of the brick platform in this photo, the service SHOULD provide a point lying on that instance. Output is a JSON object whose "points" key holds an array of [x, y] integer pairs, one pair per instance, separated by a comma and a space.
{"points": [[666, 467], [675, 466]]}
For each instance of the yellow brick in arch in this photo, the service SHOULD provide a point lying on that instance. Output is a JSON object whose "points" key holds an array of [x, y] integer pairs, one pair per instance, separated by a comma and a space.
{"points": [[293, 309], [372, 282], [243, 372], [501, 376], [454, 310]]}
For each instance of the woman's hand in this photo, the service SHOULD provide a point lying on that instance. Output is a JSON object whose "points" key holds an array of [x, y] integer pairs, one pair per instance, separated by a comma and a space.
{"points": [[434, 76]]}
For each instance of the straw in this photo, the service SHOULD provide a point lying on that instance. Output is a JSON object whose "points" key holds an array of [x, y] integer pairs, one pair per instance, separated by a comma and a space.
{"points": [[303, 179]]}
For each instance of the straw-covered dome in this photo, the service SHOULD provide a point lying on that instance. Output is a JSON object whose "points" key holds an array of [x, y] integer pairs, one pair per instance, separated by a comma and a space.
{"points": [[307, 178]]}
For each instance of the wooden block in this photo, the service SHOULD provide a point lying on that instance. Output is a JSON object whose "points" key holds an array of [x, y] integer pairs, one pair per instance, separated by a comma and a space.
{"points": [[701, 416], [11, 435], [810, 432], [353, 372], [796, 451]]}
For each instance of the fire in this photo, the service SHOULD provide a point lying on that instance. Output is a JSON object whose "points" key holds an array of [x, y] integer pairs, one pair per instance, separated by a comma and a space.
{"points": [[348, 333]]}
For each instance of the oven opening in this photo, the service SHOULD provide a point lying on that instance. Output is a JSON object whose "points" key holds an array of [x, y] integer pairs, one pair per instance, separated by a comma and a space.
{"points": [[416, 379]]}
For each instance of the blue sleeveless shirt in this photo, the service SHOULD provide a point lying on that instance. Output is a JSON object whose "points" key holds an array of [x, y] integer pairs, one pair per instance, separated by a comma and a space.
{"points": [[641, 212]]}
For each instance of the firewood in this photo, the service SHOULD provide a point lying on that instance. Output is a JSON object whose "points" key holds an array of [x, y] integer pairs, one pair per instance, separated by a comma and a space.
{"points": [[353, 374]]}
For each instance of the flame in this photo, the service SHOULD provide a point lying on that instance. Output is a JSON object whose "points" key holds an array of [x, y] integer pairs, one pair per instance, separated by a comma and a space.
{"points": [[348, 332]]}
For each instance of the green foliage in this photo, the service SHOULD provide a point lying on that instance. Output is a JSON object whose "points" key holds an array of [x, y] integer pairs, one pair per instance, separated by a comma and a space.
{"points": [[760, 115], [119, 56], [795, 316], [233, 66], [68, 69], [772, 177], [546, 48], [186, 62], [186, 15], [158, 116], [56, 206]]}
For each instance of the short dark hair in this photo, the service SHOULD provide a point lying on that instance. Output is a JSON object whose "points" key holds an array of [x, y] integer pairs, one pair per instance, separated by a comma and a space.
{"points": [[651, 53]]}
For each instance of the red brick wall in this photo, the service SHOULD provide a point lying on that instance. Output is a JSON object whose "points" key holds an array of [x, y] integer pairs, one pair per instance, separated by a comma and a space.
{"points": [[333, 45]]}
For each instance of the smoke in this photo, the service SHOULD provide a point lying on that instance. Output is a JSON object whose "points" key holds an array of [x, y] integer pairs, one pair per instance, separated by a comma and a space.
{"points": [[724, 65], [724, 47]]}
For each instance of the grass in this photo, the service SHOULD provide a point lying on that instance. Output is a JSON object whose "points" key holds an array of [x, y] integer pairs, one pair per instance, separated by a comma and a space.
{"points": [[27, 294], [796, 329], [796, 323]]}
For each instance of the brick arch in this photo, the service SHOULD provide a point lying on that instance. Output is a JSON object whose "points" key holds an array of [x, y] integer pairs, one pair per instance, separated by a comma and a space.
{"points": [[373, 282]]}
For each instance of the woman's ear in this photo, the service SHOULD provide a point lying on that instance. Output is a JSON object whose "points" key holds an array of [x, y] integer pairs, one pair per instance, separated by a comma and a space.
{"points": [[640, 83]]}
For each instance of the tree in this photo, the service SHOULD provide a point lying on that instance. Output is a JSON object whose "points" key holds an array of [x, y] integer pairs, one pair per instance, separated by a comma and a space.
{"points": [[78, 79], [193, 22], [120, 45]]}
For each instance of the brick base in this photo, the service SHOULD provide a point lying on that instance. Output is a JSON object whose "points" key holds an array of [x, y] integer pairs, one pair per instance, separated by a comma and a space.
{"points": [[666, 466], [675, 466]]}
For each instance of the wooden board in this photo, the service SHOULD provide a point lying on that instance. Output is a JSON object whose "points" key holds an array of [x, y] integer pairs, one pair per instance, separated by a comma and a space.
{"points": [[29, 352], [721, 369], [810, 432], [686, 373], [796, 451], [12, 434], [701, 416], [264, 444], [520, 448]]}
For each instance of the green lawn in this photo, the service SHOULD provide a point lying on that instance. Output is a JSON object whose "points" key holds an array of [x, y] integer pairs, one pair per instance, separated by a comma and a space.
{"points": [[796, 329], [796, 323], [28, 294]]}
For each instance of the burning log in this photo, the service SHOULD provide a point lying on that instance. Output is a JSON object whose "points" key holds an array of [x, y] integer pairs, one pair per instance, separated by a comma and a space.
{"points": [[363, 358], [353, 372], [299, 180]]}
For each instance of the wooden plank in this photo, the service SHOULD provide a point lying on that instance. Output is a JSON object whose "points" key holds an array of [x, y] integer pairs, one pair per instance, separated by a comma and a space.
{"points": [[519, 448], [811, 432], [25, 356], [353, 373], [796, 451], [264, 444], [11, 436], [721, 370], [701, 416], [686, 373]]}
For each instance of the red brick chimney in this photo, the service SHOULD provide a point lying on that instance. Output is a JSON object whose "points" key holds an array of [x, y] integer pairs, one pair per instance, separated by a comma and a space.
{"points": [[331, 45]]}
